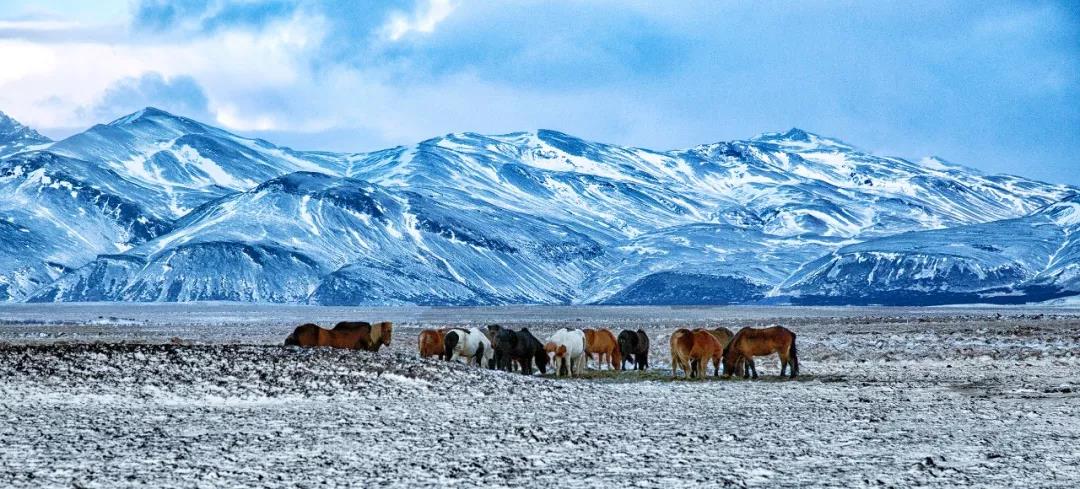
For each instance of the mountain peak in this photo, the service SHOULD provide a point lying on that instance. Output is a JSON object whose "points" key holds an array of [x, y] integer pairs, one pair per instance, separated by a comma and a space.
{"points": [[144, 113], [796, 137], [13, 130]]}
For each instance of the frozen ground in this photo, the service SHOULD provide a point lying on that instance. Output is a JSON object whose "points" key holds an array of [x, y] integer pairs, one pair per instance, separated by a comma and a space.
{"points": [[105, 396]]}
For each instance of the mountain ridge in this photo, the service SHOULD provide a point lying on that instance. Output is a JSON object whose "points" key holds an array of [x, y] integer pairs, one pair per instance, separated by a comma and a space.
{"points": [[524, 217]]}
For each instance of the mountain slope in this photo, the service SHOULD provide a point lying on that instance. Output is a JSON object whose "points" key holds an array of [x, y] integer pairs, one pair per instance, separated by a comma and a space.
{"points": [[341, 241], [58, 213], [15, 137], [700, 264], [1015, 260]]}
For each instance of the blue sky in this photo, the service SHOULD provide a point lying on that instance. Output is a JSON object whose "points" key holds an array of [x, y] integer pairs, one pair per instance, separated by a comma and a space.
{"points": [[995, 86]]}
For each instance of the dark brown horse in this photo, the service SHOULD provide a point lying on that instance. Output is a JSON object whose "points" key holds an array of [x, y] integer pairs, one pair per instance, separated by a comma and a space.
{"points": [[350, 335], [750, 342]]}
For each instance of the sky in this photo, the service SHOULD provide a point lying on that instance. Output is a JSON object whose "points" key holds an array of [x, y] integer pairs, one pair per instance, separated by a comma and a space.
{"points": [[990, 85]]}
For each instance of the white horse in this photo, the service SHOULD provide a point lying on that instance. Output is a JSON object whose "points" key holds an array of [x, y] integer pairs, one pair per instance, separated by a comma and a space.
{"points": [[467, 345], [567, 348]]}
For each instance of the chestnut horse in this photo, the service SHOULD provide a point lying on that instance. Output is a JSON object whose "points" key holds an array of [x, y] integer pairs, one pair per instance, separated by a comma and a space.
{"points": [[692, 350], [723, 335], [350, 335], [750, 342], [602, 343], [682, 342], [430, 342], [706, 347]]}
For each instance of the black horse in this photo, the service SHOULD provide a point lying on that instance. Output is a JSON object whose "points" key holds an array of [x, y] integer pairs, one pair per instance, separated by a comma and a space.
{"points": [[635, 343], [521, 347], [492, 333]]}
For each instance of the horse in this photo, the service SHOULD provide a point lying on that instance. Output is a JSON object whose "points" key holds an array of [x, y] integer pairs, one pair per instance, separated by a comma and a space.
{"points": [[566, 349], [430, 342], [352, 335], [634, 346], [519, 347], [750, 342], [723, 335], [682, 343], [706, 347], [471, 345], [602, 343]]}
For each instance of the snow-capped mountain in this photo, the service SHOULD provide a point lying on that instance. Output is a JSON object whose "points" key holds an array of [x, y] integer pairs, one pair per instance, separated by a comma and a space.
{"points": [[58, 213], [15, 137], [342, 241], [186, 163], [1031, 258], [529, 217]]}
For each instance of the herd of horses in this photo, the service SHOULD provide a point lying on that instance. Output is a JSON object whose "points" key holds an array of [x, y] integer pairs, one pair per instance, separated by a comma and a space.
{"points": [[568, 351]]}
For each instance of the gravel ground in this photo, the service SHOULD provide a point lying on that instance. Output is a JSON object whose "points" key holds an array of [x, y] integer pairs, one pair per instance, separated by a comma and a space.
{"points": [[107, 396]]}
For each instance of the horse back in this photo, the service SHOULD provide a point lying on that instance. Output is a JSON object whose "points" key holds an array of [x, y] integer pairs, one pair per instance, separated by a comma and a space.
{"points": [[304, 335], [682, 342], [643, 341], [705, 344], [754, 342], [351, 325]]}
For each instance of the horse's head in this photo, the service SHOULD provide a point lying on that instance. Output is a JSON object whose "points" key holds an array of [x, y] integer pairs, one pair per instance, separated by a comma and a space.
{"points": [[732, 361], [386, 331]]}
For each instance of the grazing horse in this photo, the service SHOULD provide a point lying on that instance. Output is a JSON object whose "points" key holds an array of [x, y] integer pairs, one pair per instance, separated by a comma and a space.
{"points": [[491, 332], [706, 347], [682, 343], [634, 346], [470, 345], [356, 335], [566, 349], [430, 342], [750, 342], [602, 343], [519, 347], [723, 335]]}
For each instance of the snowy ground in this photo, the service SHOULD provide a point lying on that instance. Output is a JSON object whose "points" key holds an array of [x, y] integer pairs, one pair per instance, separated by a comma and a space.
{"points": [[105, 396]]}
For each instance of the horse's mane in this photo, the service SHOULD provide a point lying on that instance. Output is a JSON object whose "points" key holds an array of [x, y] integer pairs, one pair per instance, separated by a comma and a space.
{"points": [[351, 325], [385, 328]]}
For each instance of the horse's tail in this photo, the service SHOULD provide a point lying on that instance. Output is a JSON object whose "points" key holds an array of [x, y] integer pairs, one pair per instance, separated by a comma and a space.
{"points": [[480, 355], [449, 343], [793, 357]]}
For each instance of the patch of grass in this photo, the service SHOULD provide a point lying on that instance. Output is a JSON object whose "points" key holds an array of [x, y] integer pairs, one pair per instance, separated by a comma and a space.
{"points": [[664, 375]]}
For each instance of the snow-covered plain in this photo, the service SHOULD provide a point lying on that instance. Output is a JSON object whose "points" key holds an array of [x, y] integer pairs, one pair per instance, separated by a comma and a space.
{"points": [[97, 395]]}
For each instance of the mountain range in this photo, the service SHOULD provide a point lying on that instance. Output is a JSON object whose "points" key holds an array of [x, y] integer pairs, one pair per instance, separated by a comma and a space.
{"points": [[159, 207]]}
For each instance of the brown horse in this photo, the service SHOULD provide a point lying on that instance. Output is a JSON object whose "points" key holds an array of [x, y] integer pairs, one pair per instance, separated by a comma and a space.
{"points": [[723, 335], [706, 347], [430, 342], [682, 343], [750, 342], [601, 342], [357, 335]]}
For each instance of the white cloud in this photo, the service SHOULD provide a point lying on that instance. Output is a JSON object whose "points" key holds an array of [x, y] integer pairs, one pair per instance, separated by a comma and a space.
{"points": [[424, 19], [53, 84]]}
